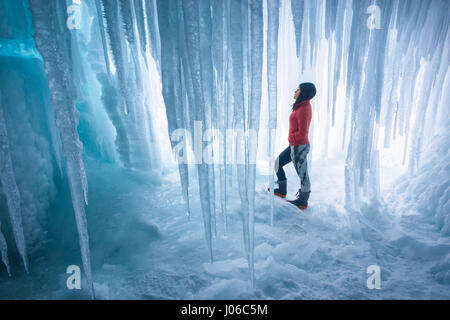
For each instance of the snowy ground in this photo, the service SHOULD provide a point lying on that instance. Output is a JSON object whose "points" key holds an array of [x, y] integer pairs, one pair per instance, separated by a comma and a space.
{"points": [[143, 247]]}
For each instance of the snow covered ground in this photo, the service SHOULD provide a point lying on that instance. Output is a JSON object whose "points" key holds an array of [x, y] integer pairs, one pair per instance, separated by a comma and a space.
{"points": [[102, 98], [145, 248]]}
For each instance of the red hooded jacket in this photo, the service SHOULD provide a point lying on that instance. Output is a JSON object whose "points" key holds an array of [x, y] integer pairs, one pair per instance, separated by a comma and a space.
{"points": [[299, 122]]}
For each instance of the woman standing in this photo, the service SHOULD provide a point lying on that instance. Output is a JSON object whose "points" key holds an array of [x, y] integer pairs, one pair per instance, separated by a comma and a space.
{"points": [[298, 149]]}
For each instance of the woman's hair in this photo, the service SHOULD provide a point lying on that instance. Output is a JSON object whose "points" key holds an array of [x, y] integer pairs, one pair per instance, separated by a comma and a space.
{"points": [[307, 92]]}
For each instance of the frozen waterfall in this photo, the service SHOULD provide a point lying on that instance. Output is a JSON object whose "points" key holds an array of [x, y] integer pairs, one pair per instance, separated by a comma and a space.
{"points": [[204, 86]]}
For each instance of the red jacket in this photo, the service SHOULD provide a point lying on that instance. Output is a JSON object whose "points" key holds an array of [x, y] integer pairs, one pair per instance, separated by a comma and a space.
{"points": [[299, 122]]}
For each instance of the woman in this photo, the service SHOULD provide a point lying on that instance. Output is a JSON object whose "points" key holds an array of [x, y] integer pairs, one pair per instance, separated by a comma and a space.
{"points": [[298, 149]]}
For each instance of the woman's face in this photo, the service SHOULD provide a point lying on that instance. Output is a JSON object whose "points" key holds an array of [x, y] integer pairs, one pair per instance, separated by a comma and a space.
{"points": [[297, 93]]}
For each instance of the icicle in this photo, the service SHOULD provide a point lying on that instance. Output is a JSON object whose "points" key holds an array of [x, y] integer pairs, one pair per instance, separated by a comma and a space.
{"points": [[326, 114], [273, 7], [127, 21], [236, 36], [219, 56], [9, 186], [207, 78], [101, 23], [171, 69], [421, 117], [154, 30], [331, 10], [191, 15], [111, 13], [245, 58], [389, 117], [229, 141], [339, 52], [256, 27], [4, 251], [52, 41], [140, 23], [313, 34], [183, 168], [188, 90], [297, 8]]}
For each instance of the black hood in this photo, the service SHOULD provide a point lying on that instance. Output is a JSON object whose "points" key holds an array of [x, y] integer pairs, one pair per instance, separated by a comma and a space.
{"points": [[307, 91]]}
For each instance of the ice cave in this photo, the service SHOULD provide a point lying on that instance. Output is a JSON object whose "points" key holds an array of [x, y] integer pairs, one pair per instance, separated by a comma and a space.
{"points": [[138, 140]]}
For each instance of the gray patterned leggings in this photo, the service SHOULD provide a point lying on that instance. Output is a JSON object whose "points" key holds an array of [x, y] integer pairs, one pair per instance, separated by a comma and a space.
{"points": [[296, 154]]}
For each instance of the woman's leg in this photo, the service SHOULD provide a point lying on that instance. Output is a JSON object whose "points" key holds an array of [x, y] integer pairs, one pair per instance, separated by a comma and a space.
{"points": [[298, 155], [283, 159]]}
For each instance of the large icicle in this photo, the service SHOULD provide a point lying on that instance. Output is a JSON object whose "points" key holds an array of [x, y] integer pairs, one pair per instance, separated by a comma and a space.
{"points": [[191, 16], [339, 31], [219, 56], [298, 9], [99, 9], [273, 7], [207, 77], [256, 27], [154, 30], [53, 42], [111, 15], [313, 7], [171, 71], [331, 11], [11, 191], [236, 36]]}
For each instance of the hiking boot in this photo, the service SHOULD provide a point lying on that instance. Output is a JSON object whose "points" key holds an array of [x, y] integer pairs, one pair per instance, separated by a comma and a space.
{"points": [[302, 200], [281, 191]]}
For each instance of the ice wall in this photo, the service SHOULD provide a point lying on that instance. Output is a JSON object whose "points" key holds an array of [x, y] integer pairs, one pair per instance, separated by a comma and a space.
{"points": [[11, 191], [420, 48], [31, 152], [428, 191]]}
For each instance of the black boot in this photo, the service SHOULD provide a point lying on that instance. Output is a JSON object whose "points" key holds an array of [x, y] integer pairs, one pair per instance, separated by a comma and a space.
{"points": [[281, 191], [302, 199]]}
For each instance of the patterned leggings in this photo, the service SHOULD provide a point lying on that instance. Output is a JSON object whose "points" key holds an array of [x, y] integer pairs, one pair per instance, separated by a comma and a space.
{"points": [[296, 154]]}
